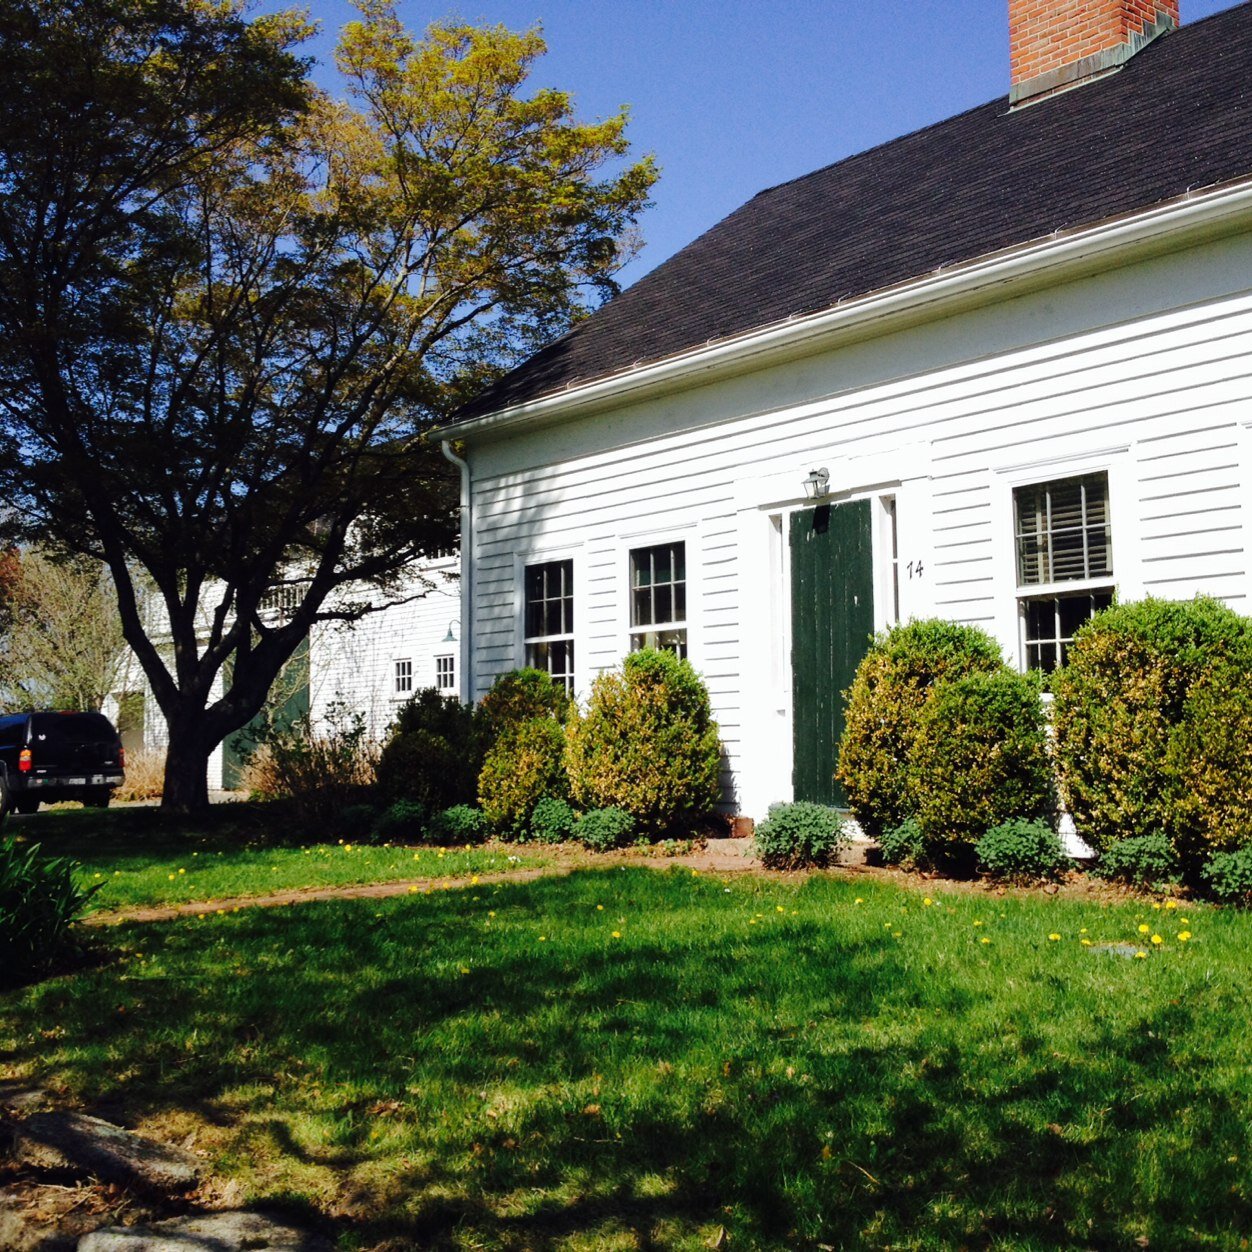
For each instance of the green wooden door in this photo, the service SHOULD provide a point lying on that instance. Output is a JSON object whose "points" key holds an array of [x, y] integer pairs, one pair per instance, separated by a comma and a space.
{"points": [[288, 701], [832, 619]]}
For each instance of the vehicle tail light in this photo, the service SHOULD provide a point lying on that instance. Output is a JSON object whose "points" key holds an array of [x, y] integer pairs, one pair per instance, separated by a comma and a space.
{"points": [[23, 761]]}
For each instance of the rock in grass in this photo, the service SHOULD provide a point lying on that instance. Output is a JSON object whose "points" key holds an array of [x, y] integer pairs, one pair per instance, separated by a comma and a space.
{"points": [[93, 1146], [212, 1232]]}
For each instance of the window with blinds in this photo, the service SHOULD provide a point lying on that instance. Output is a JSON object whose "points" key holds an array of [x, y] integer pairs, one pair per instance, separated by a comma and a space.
{"points": [[1063, 535], [1063, 532]]}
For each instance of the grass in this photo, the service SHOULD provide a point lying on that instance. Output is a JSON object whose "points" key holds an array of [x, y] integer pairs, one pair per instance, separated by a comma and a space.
{"points": [[135, 857], [631, 1059]]}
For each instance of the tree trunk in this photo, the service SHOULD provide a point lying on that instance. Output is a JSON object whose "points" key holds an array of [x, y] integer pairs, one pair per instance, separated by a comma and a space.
{"points": [[186, 773]]}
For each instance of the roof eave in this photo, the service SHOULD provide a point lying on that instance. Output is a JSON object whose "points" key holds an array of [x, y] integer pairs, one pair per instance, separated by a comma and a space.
{"points": [[1059, 257]]}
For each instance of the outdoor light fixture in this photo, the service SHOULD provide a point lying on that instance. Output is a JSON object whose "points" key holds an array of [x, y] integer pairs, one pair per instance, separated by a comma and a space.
{"points": [[815, 484], [450, 637]]}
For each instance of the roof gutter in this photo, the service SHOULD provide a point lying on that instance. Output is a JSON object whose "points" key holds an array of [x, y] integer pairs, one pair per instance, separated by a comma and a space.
{"points": [[1192, 218], [467, 573]]}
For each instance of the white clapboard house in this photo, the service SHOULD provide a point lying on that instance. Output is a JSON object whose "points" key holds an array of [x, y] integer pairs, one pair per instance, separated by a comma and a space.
{"points": [[999, 370]]}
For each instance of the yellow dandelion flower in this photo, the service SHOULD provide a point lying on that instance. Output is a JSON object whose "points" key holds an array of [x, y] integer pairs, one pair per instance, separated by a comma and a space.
{"points": [[182, 871], [1183, 936], [464, 969], [1144, 928], [978, 923], [1054, 936], [599, 908], [1157, 939], [984, 939], [543, 938], [172, 877], [927, 902], [778, 908], [1183, 921], [1082, 930], [1171, 904], [347, 847], [826, 1152], [491, 912], [858, 900], [751, 921], [886, 925], [895, 934], [474, 881], [1141, 955], [1086, 943], [412, 890], [1156, 904], [695, 873], [617, 934]]}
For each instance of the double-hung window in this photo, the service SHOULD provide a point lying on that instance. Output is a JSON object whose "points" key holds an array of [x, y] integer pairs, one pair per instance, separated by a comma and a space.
{"points": [[548, 619], [658, 597], [1064, 542], [404, 677], [445, 673]]}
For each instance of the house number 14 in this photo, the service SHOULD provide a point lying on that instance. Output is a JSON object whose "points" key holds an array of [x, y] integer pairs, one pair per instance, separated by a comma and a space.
{"points": [[915, 569]]}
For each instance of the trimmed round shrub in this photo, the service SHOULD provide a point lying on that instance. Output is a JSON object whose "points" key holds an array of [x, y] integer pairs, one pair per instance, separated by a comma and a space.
{"points": [[552, 821], [903, 845], [1148, 862], [522, 695], [1119, 700], [433, 754], [525, 765], [1209, 764], [980, 758], [1229, 876], [647, 744], [604, 829], [405, 821], [462, 823], [39, 903], [1020, 851], [884, 712], [800, 834]]}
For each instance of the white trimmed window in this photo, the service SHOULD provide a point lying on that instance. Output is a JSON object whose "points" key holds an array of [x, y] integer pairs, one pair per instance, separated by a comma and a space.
{"points": [[1064, 543], [445, 673], [548, 619], [658, 597], [404, 677]]}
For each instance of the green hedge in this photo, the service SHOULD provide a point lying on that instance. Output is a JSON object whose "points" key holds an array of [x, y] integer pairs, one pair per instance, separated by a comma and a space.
{"points": [[885, 707], [647, 744], [433, 754]]}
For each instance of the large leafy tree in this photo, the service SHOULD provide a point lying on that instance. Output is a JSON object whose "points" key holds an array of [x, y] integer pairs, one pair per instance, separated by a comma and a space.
{"points": [[230, 306]]}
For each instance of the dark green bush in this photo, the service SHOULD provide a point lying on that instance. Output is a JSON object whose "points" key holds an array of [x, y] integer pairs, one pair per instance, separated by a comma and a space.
{"points": [[1120, 701], [522, 695], [603, 829], [1229, 876], [903, 845], [460, 824], [884, 713], [1020, 851], [526, 764], [1148, 862], [800, 834], [433, 753], [979, 758], [39, 903], [405, 821], [647, 744], [552, 821]]}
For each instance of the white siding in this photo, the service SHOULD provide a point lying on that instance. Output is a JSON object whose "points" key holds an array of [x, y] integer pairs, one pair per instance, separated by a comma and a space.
{"points": [[1145, 371]]}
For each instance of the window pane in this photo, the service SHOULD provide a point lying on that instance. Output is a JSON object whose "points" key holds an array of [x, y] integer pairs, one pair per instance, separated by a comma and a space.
{"points": [[663, 605], [659, 592], [1062, 530], [674, 641], [1074, 611], [641, 608], [549, 607]]}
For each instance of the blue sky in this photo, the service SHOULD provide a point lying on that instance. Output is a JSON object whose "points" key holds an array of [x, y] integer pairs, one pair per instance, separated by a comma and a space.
{"points": [[735, 96]]}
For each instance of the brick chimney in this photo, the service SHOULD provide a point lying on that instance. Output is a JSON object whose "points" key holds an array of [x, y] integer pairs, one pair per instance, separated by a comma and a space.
{"points": [[1055, 44]]}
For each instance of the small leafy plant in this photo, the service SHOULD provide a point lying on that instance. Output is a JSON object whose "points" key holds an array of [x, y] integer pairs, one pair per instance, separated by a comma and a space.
{"points": [[1229, 876], [1148, 862], [462, 823], [904, 845], [1022, 851], [403, 822], [801, 834], [552, 821], [604, 829], [39, 903]]}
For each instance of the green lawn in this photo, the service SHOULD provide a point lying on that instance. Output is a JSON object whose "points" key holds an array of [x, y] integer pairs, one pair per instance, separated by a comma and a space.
{"points": [[632, 1059], [136, 857]]}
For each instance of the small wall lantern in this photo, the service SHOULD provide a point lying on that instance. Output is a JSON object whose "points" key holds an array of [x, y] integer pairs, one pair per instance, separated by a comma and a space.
{"points": [[450, 637], [816, 483]]}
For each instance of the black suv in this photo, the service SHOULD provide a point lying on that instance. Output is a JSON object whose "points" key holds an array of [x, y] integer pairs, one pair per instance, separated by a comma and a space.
{"points": [[58, 756]]}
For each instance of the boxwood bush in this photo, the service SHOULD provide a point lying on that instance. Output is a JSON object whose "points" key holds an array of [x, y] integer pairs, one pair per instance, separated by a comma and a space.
{"points": [[884, 713], [647, 744], [552, 821], [523, 766], [522, 695], [433, 753], [1120, 703], [604, 829], [800, 834], [980, 757], [1021, 851]]}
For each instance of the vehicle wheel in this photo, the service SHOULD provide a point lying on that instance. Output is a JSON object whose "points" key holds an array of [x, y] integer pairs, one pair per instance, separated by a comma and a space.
{"points": [[98, 799], [25, 804]]}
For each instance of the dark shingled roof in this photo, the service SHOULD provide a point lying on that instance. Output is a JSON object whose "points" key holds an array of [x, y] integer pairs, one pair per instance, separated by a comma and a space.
{"points": [[1178, 117]]}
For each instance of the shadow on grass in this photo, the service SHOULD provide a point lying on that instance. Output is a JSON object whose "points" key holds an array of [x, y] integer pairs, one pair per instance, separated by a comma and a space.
{"points": [[506, 1070]]}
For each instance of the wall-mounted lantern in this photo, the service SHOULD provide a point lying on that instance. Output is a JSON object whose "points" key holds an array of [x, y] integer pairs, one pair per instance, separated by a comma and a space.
{"points": [[450, 637], [816, 483]]}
